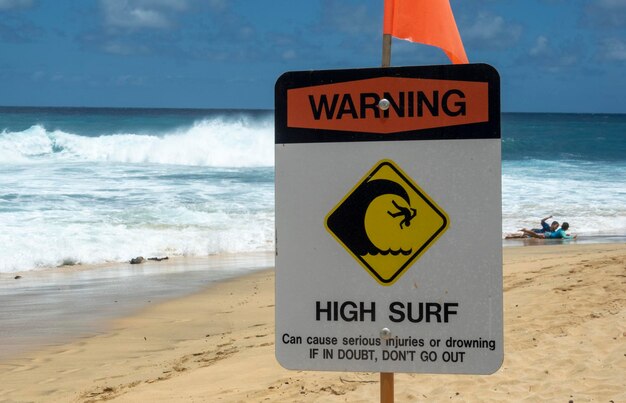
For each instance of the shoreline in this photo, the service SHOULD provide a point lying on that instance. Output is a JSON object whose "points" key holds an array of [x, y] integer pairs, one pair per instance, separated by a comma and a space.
{"points": [[580, 240], [565, 330], [79, 267], [40, 309], [117, 290]]}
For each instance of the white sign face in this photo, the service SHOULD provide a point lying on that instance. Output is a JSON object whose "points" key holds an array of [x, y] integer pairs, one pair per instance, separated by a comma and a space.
{"points": [[388, 238]]}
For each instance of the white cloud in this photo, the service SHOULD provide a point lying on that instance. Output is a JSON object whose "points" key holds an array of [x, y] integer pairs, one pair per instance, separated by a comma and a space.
{"points": [[612, 3], [551, 58], [128, 80], [349, 18], [218, 5], [606, 13], [12, 4], [38, 75], [140, 14], [491, 32], [123, 49], [289, 54], [541, 47], [613, 49]]}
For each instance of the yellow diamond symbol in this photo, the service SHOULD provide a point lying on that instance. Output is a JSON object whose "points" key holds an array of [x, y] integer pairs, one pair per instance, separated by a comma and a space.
{"points": [[386, 222]]}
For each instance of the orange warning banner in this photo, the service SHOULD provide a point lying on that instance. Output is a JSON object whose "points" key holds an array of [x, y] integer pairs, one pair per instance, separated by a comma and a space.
{"points": [[425, 21], [414, 104]]}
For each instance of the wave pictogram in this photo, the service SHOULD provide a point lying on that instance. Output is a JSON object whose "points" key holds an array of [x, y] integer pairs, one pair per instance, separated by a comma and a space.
{"points": [[394, 252], [348, 220]]}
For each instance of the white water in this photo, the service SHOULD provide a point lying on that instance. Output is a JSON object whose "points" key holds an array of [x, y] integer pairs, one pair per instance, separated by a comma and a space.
{"points": [[208, 188], [67, 199], [211, 143], [591, 196]]}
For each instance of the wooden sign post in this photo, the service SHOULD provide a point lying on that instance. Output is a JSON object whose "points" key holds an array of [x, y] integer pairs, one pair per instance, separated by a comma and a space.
{"points": [[386, 387]]}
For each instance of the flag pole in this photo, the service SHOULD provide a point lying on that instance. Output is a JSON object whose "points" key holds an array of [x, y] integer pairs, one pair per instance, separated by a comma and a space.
{"points": [[386, 378], [386, 387], [386, 50], [388, 15]]}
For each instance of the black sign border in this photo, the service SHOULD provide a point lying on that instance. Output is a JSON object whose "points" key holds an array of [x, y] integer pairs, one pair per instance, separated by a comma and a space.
{"points": [[462, 72]]}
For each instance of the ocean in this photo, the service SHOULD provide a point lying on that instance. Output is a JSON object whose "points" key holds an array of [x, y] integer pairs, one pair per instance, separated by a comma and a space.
{"points": [[91, 185]]}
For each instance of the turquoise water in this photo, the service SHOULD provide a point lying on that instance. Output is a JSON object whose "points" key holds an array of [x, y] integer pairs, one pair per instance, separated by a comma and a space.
{"points": [[83, 185], [564, 137], [572, 166]]}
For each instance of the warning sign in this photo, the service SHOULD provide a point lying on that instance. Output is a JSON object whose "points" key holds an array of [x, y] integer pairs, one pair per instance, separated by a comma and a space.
{"points": [[386, 222], [353, 105]]}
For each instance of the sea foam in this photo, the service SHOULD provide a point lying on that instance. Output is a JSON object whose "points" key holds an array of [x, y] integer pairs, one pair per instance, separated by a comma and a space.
{"points": [[75, 198], [208, 142], [98, 185]]}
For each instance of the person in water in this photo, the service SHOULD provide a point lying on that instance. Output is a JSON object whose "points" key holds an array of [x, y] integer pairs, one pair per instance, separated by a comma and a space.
{"points": [[403, 211], [545, 227], [558, 234]]}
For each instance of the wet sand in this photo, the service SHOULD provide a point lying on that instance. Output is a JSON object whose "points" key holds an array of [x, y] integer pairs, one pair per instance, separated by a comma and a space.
{"points": [[565, 339], [53, 306]]}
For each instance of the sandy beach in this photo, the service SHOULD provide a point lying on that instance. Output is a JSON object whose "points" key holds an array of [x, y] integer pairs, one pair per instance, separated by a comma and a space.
{"points": [[565, 340]]}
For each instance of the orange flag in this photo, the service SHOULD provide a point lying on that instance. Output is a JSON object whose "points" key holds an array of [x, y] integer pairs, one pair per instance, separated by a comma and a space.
{"points": [[425, 21]]}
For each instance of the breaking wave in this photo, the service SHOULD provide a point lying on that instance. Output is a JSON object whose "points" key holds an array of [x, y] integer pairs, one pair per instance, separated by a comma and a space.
{"points": [[209, 142]]}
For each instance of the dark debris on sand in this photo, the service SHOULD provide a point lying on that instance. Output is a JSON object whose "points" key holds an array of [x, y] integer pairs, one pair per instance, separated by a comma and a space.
{"points": [[141, 259]]}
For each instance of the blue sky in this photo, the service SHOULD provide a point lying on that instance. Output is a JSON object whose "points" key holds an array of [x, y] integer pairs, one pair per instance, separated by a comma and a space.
{"points": [[552, 55]]}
